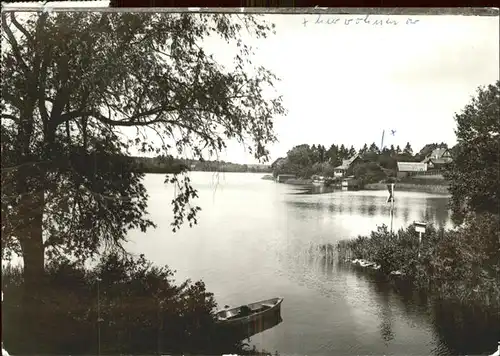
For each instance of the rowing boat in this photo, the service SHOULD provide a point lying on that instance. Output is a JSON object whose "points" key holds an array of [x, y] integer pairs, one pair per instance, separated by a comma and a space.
{"points": [[250, 313]]}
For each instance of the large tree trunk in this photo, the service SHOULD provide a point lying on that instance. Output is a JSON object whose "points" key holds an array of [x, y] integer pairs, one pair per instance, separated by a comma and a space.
{"points": [[30, 181], [32, 246], [31, 240]]}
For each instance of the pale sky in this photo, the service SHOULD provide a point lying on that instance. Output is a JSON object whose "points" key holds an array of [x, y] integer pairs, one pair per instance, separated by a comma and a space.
{"points": [[345, 84]]}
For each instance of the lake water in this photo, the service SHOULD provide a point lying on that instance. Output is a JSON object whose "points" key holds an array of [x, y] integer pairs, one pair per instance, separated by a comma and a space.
{"points": [[254, 241]]}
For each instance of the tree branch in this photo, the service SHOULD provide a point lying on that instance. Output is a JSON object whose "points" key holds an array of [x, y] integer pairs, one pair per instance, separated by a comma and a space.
{"points": [[13, 42], [41, 74], [62, 94], [20, 27]]}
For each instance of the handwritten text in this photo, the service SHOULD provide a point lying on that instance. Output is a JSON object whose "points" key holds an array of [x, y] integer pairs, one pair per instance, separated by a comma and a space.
{"points": [[359, 20]]}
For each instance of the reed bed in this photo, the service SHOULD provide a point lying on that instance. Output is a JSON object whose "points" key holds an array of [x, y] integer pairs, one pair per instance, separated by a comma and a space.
{"points": [[461, 264]]}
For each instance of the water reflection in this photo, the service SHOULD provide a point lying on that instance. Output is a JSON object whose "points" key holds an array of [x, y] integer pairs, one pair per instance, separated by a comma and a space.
{"points": [[466, 330], [328, 267], [377, 302], [384, 314], [396, 305], [261, 325], [316, 189], [407, 209], [458, 329], [371, 205], [253, 242], [406, 214]]}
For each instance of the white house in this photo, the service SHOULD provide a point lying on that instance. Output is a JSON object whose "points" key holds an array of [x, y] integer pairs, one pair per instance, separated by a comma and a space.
{"points": [[341, 170], [407, 168]]}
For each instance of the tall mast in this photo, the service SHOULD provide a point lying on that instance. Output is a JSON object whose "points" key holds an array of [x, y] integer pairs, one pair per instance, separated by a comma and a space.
{"points": [[382, 143]]}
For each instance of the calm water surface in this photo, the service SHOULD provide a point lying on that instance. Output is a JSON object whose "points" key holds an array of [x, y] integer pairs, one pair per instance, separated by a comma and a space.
{"points": [[254, 240]]}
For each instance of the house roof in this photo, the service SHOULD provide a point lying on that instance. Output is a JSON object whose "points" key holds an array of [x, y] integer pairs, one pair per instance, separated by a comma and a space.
{"points": [[438, 153], [438, 156], [347, 162]]}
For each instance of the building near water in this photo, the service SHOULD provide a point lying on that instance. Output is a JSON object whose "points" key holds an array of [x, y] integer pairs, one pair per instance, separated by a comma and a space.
{"points": [[410, 168], [341, 170], [438, 159]]}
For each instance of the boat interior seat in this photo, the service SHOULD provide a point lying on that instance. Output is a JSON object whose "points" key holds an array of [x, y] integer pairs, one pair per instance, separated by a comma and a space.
{"points": [[268, 305]]}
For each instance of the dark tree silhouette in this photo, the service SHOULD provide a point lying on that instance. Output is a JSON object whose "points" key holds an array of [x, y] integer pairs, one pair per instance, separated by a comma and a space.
{"points": [[474, 172], [408, 150], [73, 81]]}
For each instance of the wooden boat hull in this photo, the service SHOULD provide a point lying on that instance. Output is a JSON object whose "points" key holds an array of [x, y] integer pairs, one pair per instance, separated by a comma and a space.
{"points": [[266, 309], [255, 323], [259, 325]]}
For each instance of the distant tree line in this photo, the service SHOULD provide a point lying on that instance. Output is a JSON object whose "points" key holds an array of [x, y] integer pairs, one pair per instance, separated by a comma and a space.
{"points": [[374, 164], [164, 164]]}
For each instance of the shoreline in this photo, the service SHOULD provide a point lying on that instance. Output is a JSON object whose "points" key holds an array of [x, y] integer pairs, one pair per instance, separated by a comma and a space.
{"points": [[298, 181], [406, 187], [410, 187], [425, 265]]}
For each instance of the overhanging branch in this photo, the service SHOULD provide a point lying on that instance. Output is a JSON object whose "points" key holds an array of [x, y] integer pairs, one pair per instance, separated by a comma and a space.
{"points": [[13, 42], [20, 27]]}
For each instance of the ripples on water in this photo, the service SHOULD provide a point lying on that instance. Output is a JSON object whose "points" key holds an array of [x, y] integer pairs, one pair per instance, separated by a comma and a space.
{"points": [[256, 240]]}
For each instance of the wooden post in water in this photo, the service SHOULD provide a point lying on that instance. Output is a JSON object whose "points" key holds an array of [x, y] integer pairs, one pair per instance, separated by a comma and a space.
{"points": [[390, 187], [392, 212]]}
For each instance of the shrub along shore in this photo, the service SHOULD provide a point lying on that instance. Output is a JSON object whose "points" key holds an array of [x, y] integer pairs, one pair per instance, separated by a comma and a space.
{"points": [[460, 265], [123, 305]]}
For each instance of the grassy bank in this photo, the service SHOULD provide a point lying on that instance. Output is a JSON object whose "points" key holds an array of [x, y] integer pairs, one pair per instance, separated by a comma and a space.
{"points": [[411, 187], [461, 265], [141, 311]]}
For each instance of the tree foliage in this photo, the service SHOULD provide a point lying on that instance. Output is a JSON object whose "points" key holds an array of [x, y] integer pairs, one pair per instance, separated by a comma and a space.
{"points": [[73, 82], [408, 150], [142, 310], [473, 174], [461, 265], [301, 155], [305, 160], [369, 172]]}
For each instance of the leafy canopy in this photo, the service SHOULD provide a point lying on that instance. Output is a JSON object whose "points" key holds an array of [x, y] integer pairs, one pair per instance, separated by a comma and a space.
{"points": [[73, 82], [474, 172]]}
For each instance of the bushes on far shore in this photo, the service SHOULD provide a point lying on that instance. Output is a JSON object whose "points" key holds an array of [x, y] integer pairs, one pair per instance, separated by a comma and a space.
{"points": [[462, 264], [141, 310]]}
